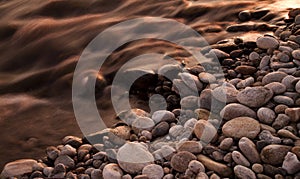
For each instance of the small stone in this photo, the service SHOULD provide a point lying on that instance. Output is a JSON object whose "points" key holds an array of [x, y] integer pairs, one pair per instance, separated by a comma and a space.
{"points": [[169, 176], [218, 53], [181, 160], [66, 160], [266, 115], [235, 110], [96, 174], [196, 166], [257, 168], [254, 96], [288, 82], [68, 150], [287, 134], [245, 15], [226, 144], [18, 168], [59, 171], [153, 171], [219, 168], [297, 87], [248, 148], [47, 171], [191, 81], [280, 99], [280, 108], [143, 123], [276, 87], [207, 77], [267, 42], [190, 123], [274, 154], [160, 129], [194, 147], [273, 77], [176, 131], [190, 102], [225, 94], [243, 172], [293, 113], [170, 70], [291, 163], [241, 127], [73, 141], [245, 69], [112, 170], [52, 152], [239, 159], [204, 131], [281, 121], [296, 150], [265, 61], [163, 115]]}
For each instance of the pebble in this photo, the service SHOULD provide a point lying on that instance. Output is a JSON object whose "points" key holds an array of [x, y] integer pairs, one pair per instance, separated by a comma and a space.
{"points": [[267, 42], [170, 70], [281, 121], [235, 110], [73, 141], [287, 134], [59, 171], [274, 154], [266, 115], [241, 127], [52, 152], [176, 130], [194, 147], [239, 159], [245, 69], [245, 83], [112, 171], [226, 144], [291, 163], [191, 81], [143, 123], [249, 150], [190, 102], [296, 54], [243, 172], [273, 77], [134, 164], [160, 129], [96, 174], [190, 123], [181, 160], [217, 167], [225, 94], [257, 168], [204, 131], [66, 160], [19, 167], [163, 115], [297, 86], [218, 53], [293, 113], [245, 15], [68, 150], [266, 136], [276, 87], [254, 96], [153, 171], [280, 99], [265, 61], [196, 166], [206, 99], [207, 77]]}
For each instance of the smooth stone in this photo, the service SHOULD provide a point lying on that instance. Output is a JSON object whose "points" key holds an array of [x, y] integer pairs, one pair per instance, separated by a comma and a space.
{"points": [[265, 61], [194, 147], [205, 99], [191, 81], [19, 167], [276, 87], [218, 53], [274, 154], [257, 168], [160, 129], [68, 150], [281, 121], [245, 15], [97, 174], [66, 160], [243, 172], [133, 157], [267, 42], [278, 65], [112, 170], [249, 150], [225, 94], [296, 54], [254, 96], [170, 70], [182, 89], [217, 167], [239, 159], [245, 83], [190, 123], [235, 110], [226, 144], [181, 160], [267, 136], [296, 150], [131, 115], [297, 86], [190, 102], [245, 69], [287, 134], [153, 171], [293, 113], [241, 127], [273, 77], [196, 166], [176, 130], [280, 99], [163, 115], [204, 131], [291, 163], [52, 152], [207, 77], [143, 123], [253, 56], [266, 115], [73, 141], [280, 108]]}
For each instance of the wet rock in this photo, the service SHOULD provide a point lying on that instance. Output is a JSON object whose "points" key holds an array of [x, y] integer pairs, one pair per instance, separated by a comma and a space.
{"points": [[241, 127], [217, 167], [235, 110], [266, 115], [243, 172], [194, 147], [293, 113], [267, 42], [291, 163], [112, 171], [276, 87], [19, 167], [248, 148], [204, 131], [245, 69], [273, 77], [239, 159], [153, 171], [254, 96], [274, 154], [181, 160]]}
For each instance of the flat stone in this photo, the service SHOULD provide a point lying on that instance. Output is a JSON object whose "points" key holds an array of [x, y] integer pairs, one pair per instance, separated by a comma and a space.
{"points": [[207, 77], [267, 42], [274, 154], [19, 167], [181, 160], [241, 127], [217, 167], [235, 110], [254, 96]]}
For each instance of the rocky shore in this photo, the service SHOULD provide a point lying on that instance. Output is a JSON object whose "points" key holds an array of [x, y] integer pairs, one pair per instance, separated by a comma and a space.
{"points": [[254, 135]]}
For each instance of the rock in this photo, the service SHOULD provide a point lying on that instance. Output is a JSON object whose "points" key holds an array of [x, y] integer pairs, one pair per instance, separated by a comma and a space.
{"points": [[163, 115], [273, 77], [153, 171], [181, 160], [266, 115], [241, 127], [160, 129], [66, 160], [297, 20], [170, 71], [239, 159], [191, 81], [68, 150], [207, 77], [97, 174], [176, 130], [190, 123], [72, 141], [248, 148], [293, 113], [267, 42], [287, 134], [245, 69], [226, 144], [254, 56], [218, 53], [254, 96], [245, 15], [243, 172], [190, 102], [121, 132], [235, 110], [52, 152], [297, 87], [194, 147], [291, 163], [276, 87], [225, 94], [112, 170], [280, 108], [274, 154], [19, 167], [296, 150], [205, 100], [280, 99], [204, 131], [217, 167], [131, 115], [265, 61], [257, 168], [196, 166], [59, 171], [240, 28], [133, 157], [266, 136], [143, 123], [281, 121]]}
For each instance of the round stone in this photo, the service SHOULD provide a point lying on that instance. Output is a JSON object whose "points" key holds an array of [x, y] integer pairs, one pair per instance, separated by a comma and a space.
{"points": [[112, 171], [226, 144], [235, 110], [267, 42], [196, 166], [239, 159], [293, 113], [291, 163], [241, 127], [257, 168], [204, 131], [297, 87], [274, 154], [153, 171], [181, 160], [249, 150], [160, 129], [266, 115], [254, 96], [163, 115], [276, 87]]}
